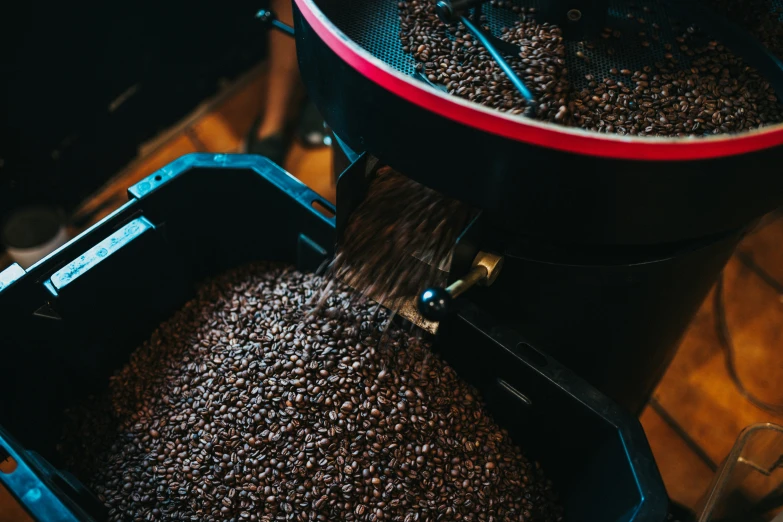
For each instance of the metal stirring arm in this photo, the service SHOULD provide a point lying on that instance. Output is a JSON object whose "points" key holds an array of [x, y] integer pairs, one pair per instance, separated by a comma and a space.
{"points": [[451, 11]]}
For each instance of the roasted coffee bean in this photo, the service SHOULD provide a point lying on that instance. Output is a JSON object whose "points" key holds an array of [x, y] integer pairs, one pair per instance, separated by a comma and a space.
{"points": [[175, 438]]}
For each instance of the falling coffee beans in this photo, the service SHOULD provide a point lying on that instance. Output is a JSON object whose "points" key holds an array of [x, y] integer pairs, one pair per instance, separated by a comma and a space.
{"points": [[246, 405], [399, 239]]}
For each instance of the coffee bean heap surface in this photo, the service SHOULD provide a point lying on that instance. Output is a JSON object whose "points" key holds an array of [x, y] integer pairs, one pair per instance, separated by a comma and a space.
{"points": [[700, 88], [245, 406], [399, 240]]}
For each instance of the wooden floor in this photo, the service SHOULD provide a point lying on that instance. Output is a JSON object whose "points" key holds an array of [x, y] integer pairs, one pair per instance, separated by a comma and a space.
{"points": [[697, 411]]}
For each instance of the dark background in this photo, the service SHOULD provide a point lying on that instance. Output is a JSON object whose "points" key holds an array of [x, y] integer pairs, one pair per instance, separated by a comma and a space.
{"points": [[62, 65]]}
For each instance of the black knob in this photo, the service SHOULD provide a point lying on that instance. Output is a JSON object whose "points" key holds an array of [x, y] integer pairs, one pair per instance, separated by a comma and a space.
{"points": [[265, 16], [434, 304], [450, 11], [445, 11]]}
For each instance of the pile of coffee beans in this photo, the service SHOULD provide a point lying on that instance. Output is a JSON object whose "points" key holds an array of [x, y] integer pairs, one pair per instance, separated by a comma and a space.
{"points": [[716, 95], [699, 88], [399, 240], [245, 406]]}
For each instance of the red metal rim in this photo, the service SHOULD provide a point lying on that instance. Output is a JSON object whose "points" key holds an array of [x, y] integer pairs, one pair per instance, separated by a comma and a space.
{"points": [[530, 131]]}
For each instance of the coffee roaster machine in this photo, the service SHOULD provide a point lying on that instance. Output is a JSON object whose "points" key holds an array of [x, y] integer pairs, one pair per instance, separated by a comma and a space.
{"points": [[609, 243], [599, 250]]}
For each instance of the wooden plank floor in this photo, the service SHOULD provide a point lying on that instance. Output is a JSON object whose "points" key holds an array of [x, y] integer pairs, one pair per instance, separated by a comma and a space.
{"points": [[218, 126], [697, 392], [697, 410]]}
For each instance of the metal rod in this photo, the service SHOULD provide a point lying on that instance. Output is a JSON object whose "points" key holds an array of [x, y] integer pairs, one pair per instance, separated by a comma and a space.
{"points": [[504, 65], [268, 17], [460, 286]]}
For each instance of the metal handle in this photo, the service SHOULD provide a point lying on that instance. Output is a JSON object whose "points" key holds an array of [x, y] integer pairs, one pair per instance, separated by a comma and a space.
{"points": [[434, 304], [268, 17]]}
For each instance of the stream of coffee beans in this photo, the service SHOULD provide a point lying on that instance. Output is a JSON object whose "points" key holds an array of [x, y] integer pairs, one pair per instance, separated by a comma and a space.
{"points": [[699, 88], [400, 238], [246, 405]]}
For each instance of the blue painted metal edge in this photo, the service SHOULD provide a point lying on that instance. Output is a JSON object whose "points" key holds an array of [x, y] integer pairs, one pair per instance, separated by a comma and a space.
{"points": [[101, 251], [261, 165]]}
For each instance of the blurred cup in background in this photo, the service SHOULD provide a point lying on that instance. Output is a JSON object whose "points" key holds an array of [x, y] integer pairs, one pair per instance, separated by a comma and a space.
{"points": [[31, 233]]}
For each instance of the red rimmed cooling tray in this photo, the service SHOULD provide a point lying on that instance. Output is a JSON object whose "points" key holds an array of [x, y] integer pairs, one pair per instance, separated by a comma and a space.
{"points": [[513, 127], [589, 187]]}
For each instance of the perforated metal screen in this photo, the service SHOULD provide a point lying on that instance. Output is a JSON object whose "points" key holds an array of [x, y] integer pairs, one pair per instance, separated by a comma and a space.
{"points": [[375, 25]]}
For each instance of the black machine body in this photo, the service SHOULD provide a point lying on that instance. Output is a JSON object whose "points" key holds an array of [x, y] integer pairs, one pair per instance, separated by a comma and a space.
{"points": [[582, 305]]}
